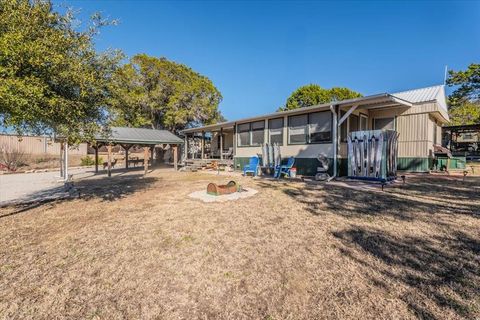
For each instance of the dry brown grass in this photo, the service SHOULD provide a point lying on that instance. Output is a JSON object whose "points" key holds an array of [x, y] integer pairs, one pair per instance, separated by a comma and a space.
{"points": [[140, 248]]}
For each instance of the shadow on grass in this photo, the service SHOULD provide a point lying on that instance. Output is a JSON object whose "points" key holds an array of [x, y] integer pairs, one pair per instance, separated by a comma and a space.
{"points": [[112, 188], [441, 270], [340, 200], [444, 187]]}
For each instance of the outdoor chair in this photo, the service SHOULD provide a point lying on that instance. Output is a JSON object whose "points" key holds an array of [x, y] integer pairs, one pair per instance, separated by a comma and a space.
{"points": [[228, 154], [284, 169], [252, 166]]}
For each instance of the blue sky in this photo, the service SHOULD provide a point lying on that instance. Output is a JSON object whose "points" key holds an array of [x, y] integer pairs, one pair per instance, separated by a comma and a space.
{"points": [[257, 53]]}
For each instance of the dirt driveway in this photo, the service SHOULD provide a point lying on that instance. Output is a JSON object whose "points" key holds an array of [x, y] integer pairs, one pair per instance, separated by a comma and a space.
{"points": [[140, 248]]}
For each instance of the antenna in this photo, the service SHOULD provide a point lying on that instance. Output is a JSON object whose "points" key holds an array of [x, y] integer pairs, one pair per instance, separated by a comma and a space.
{"points": [[445, 76]]}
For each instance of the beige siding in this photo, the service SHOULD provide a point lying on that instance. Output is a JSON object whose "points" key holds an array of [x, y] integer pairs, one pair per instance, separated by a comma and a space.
{"points": [[36, 145], [414, 124], [299, 151]]}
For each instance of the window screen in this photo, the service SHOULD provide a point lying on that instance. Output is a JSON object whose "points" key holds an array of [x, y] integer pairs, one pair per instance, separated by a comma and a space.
{"points": [[244, 134], [363, 122], [297, 129], [275, 128], [320, 127], [384, 124], [258, 133], [353, 122], [343, 128]]}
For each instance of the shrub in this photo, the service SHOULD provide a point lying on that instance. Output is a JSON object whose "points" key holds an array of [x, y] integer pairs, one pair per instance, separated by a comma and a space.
{"points": [[11, 159], [89, 161]]}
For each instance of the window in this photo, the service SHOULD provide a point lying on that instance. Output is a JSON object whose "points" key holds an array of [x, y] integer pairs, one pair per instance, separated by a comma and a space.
{"points": [[353, 123], [435, 132], [384, 124], [251, 134], [258, 135], [320, 127], [297, 129], [275, 128], [244, 134], [343, 128], [315, 127], [363, 122]]}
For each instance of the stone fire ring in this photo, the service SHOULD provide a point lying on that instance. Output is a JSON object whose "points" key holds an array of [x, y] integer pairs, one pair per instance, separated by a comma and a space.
{"points": [[205, 197]]}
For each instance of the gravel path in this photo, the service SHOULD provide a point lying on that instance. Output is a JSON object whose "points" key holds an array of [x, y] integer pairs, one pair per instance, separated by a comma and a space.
{"points": [[25, 187]]}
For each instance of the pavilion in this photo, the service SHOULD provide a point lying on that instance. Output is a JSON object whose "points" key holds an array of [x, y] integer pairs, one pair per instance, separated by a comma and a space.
{"points": [[128, 137]]}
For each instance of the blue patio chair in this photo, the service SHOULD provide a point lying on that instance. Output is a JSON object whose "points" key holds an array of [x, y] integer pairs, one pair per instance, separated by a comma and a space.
{"points": [[252, 166], [284, 169]]}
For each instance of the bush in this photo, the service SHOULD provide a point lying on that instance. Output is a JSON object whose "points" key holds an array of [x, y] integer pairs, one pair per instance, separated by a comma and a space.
{"points": [[89, 161], [12, 159]]}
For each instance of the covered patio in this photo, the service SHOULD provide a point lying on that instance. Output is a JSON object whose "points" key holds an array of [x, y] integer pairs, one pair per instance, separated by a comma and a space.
{"points": [[148, 139], [210, 143]]}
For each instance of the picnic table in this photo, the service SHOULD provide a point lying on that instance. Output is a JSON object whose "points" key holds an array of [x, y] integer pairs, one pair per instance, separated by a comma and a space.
{"points": [[136, 160]]}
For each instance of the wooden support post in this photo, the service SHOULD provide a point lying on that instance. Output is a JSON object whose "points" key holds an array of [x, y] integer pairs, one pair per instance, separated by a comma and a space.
{"points": [[152, 148], [175, 157], [126, 147], [145, 159], [109, 161], [186, 147], [96, 157], [203, 144], [221, 143], [126, 156]]}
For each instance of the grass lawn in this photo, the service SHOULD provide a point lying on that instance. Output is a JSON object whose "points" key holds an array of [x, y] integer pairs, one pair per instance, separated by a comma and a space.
{"points": [[141, 248]]}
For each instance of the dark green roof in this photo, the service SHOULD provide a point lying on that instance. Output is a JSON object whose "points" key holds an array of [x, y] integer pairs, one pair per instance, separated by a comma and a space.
{"points": [[139, 136]]}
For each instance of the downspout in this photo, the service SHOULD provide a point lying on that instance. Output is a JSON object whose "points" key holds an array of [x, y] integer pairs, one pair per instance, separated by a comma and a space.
{"points": [[335, 142]]}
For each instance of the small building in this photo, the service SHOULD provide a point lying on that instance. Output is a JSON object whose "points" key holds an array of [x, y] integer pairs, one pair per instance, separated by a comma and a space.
{"points": [[417, 115], [463, 140]]}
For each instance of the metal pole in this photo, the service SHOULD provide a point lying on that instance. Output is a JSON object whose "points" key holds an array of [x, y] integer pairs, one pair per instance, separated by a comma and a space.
{"points": [[66, 162], [221, 143], [335, 139], [61, 159]]}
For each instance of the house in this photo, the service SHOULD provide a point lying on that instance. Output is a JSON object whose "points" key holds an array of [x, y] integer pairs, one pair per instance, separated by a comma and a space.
{"points": [[417, 115]]}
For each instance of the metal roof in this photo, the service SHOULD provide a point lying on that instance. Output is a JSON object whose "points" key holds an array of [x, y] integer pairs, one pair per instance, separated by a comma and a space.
{"points": [[405, 98], [139, 136], [373, 101], [422, 95]]}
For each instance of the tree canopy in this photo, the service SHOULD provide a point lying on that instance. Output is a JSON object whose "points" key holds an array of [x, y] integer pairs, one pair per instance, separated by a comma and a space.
{"points": [[313, 94], [52, 78], [464, 102], [162, 94]]}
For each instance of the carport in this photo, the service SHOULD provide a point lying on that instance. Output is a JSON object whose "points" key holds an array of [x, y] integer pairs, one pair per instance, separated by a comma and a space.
{"points": [[128, 137]]}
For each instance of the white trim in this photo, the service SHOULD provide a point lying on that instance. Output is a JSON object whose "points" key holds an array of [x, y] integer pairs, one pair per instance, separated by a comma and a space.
{"points": [[345, 116]]}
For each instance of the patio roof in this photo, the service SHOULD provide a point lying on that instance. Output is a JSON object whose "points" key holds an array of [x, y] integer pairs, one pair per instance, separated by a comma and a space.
{"points": [[141, 136]]}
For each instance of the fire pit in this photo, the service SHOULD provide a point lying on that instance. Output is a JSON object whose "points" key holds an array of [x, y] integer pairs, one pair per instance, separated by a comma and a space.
{"points": [[218, 190]]}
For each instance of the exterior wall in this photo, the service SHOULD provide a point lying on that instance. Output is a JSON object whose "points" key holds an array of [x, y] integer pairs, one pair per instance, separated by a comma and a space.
{"points": [[37, 145], [305, 154], [415, 150]]}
